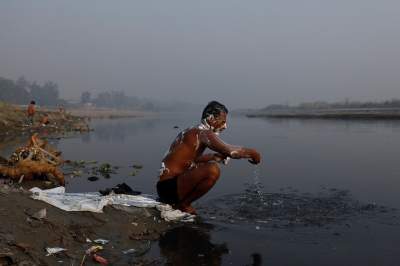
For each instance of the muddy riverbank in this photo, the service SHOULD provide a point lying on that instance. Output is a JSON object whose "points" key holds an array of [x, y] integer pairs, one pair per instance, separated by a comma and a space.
{"points": [[29, 227], [27, 231], [14, 122]]}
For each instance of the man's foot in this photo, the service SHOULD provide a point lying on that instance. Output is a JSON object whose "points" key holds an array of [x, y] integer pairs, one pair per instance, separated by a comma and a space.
{"points": [[188, 209]]}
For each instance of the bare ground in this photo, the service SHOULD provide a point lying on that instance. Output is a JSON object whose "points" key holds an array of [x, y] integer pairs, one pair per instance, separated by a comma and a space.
{"points": [[24, 238]]}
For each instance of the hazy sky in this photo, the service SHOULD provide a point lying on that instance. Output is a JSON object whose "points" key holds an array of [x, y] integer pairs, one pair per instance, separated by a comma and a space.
{"points": [[243, 53]]}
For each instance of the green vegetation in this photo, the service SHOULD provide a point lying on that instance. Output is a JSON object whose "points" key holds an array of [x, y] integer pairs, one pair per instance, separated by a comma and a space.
{"points": [[22, 91]]}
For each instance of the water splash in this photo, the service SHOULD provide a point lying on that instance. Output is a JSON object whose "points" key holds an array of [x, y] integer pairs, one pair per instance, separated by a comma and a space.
{"points": [[258, 185]]}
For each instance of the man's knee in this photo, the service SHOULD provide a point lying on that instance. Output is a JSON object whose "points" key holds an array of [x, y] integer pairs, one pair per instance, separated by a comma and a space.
{"points": [[213, 171]]}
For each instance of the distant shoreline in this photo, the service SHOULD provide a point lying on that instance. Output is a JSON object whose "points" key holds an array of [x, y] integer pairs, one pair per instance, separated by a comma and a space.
{"points": [[14, 122], [104, 113], [339, 113]]}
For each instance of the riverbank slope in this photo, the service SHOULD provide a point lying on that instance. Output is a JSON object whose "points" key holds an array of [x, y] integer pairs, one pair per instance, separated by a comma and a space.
{"points": [[32, 226], [14, 122]]}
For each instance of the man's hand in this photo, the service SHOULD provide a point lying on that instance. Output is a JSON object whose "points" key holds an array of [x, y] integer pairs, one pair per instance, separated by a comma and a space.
{"points": [[218, 157], [255, 158]]}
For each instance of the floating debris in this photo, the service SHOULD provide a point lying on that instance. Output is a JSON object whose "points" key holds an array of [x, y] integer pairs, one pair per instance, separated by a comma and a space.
{"points": [[137, 166], [93, 178]]}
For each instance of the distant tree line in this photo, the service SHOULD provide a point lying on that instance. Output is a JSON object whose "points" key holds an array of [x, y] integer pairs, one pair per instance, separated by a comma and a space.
{"points": [[394, 103], [117, 99], [22, 91]]}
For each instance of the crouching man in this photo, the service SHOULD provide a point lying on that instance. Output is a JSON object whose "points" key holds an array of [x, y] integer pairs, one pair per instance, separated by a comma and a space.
{"points": [[186, 173]]}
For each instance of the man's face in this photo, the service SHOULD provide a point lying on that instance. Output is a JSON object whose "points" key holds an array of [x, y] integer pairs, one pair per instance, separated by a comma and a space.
{"points": [[219, 122]]}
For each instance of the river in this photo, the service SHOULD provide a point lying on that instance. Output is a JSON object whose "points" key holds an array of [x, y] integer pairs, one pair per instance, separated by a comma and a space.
{"points": [[354, 162]]}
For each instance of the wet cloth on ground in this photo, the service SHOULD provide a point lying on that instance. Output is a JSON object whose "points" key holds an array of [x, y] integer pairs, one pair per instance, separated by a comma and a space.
{"points": [[95, 202]]}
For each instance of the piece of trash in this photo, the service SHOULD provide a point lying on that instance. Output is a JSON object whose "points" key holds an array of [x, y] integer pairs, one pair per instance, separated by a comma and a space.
{"points": [[257, 228], [101, 241], [40, 214], [76, 173], [129, 251], [100, 259], [120, 189], [133, 173], [93, 178], [105, 168], [93, 249], [52, 251], [137, 166], [135, 224], [88, 240]]}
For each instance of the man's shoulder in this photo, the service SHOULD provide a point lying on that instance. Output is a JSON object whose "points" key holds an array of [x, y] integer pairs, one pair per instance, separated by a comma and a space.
{"points": [[191, 131]]}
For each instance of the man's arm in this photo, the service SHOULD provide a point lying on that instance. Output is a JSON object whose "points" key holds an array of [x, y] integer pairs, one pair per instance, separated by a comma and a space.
{"points": [[212, 141], [210, 157]]}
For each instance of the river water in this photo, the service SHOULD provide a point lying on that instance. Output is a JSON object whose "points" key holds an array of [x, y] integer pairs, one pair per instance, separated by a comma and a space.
{"points": [[310, 165]]}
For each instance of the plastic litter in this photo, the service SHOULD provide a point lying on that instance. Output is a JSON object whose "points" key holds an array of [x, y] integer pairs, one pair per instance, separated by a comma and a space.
{"points": [[52, 251], [169, 214], [129, 251], [101, 241], [100, 259], [94, 202], [40, 214], [90, 251], [93, 249]]}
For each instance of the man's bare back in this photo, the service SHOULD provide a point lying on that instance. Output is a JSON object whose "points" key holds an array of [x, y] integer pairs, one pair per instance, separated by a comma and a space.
{"points": [[186, 173]]}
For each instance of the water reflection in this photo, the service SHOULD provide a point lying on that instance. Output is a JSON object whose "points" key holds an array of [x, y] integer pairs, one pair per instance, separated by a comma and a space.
{"points": [[256, 259], [188, 245], [118, 130]]}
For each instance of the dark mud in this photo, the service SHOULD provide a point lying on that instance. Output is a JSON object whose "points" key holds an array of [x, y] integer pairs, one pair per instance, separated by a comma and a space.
{"points": [[26, 231]]}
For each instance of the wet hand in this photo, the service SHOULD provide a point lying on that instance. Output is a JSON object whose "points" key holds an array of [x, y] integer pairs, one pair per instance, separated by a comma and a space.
{"points": [[219, 157], [255, 158]]}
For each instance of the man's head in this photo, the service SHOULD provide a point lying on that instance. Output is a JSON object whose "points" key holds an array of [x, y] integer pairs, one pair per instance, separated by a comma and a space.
{"points": [[215, 115], [33, 102]]}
